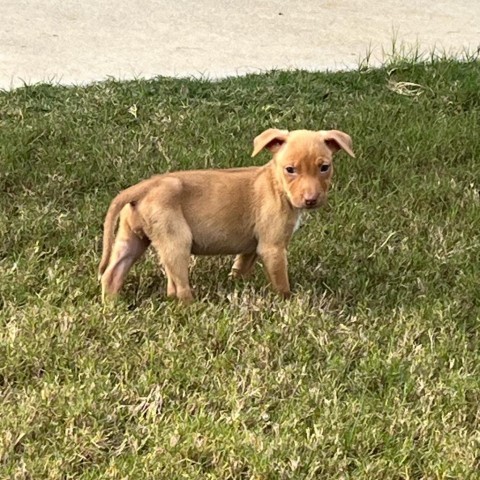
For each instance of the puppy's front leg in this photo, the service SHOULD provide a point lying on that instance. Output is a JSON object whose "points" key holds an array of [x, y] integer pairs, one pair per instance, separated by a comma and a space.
{"points": [[243, 264], [274, 258]]}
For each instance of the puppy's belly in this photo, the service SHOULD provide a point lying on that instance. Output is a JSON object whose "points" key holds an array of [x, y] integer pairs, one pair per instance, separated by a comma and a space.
{"points": [[221, 244]]}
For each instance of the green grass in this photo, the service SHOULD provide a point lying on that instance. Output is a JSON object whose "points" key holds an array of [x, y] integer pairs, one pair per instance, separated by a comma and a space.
{"points": [[371, 371]]}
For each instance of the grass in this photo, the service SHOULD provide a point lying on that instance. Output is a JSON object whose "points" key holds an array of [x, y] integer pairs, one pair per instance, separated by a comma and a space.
{"points": [[371, 371]]}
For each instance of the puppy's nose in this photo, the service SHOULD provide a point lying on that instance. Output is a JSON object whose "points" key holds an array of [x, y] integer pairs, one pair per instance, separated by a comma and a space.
{"points": [[311, 201]]}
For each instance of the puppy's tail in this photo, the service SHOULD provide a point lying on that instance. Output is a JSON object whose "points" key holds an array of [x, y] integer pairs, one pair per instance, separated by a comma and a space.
{"points": [[131, 194]]}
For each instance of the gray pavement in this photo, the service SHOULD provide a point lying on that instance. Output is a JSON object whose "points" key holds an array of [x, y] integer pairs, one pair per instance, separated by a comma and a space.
{"points": [[80, 41]]}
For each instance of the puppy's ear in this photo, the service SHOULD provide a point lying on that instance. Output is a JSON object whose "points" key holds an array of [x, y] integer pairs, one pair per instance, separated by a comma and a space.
{"points": [[272, 139], [336, 140]]}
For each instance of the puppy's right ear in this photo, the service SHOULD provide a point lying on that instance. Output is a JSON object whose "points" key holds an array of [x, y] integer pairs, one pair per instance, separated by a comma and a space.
{"points": [[272, 139]]}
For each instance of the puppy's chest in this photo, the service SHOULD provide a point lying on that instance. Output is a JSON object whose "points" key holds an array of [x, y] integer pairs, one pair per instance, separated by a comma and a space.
{"points": [[298, 223]]}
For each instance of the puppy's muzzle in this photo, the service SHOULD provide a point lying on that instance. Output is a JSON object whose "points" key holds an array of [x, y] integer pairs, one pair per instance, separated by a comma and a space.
{"points": [[312, 201]]}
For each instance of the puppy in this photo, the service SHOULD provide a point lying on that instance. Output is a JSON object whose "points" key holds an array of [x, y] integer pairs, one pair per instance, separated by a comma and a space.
{"points": [[248, 212]]}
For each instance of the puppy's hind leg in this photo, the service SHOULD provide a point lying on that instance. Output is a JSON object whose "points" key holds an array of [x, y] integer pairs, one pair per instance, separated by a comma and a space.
{"points": [[127, 249], [176, 266], [173, 242], [170, 234]]}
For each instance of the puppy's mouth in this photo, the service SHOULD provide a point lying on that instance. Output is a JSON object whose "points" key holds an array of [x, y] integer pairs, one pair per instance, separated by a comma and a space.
{"points": [[312, 207], [305, 205]]}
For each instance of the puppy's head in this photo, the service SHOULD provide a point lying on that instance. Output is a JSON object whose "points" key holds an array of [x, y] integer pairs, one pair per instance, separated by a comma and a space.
{"points": [[303, 161]]}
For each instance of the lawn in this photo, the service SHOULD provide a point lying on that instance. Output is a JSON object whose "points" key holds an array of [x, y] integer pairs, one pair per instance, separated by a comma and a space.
{"points": [[370, 371]]}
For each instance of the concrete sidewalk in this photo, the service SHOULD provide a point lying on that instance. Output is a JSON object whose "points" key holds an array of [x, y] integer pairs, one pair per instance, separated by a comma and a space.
{"points": [[71, 41]]}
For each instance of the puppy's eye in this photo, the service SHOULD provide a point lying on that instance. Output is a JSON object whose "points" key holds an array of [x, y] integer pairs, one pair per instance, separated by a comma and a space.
{"points": [[290, 169], [325, 167]]}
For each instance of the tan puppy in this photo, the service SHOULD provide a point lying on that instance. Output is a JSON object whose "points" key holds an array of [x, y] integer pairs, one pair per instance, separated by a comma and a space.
{"points": [[250, 212]]}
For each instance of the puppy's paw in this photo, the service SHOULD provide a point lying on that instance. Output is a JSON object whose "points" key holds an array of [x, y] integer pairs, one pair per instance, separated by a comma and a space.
{"points": [[286, 295], [237, 273]]}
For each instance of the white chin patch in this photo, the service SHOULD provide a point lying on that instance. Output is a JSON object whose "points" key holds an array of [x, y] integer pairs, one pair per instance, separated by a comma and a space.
{"points": [[298, 223]]}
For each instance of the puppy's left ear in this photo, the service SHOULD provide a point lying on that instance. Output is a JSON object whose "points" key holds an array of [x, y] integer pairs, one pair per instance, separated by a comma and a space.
{"points": [[336, 140], [272, 139]]}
